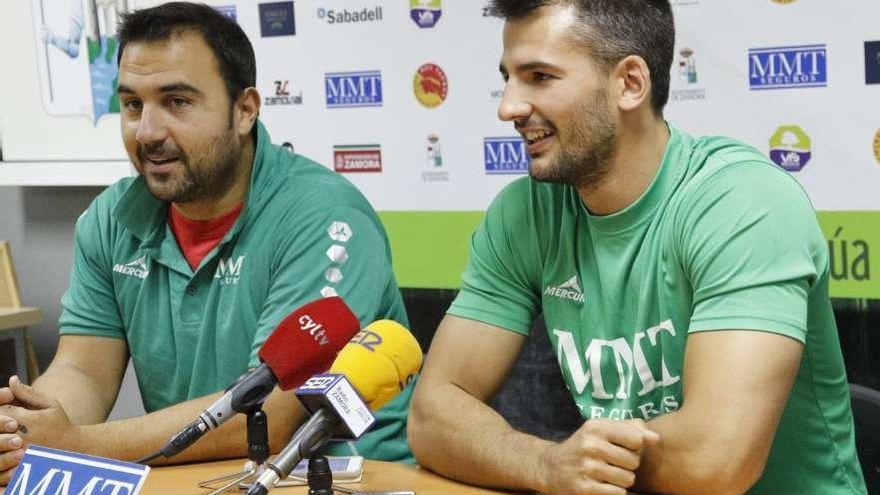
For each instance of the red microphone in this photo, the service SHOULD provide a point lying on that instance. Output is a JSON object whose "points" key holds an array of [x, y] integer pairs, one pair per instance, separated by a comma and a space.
{"points": [[308, 340], [305, 343]]}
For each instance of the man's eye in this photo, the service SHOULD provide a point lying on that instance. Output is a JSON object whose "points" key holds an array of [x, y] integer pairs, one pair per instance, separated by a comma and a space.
{"points": [[179, 102], [134, 105], [541, 76]]}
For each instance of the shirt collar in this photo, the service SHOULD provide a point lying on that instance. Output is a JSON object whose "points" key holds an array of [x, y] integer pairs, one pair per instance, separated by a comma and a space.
{"points": [[145, 216]]}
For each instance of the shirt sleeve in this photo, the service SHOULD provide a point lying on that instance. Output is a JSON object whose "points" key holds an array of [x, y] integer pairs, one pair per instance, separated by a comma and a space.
{"points": [[339, 251], [89, 306], [752, 249], [499, 282]]}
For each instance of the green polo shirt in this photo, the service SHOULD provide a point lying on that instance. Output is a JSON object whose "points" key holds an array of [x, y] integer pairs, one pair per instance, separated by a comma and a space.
{"points": [[304, 232], [722, 239]]}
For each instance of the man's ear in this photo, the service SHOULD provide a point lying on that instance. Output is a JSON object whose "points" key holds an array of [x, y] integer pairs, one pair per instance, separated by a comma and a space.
{"points": [[632, 83], [246, 111]]}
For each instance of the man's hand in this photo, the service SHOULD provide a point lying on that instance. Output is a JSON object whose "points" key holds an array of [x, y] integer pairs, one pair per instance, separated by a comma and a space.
{"points": [[39, 419], [599, 458], [17, 401], [11, 450]]}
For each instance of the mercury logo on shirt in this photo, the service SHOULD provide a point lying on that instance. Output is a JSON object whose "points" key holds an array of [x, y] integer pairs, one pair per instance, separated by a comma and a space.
{"points": [[566, 290], [136, 268], [229, 270]]}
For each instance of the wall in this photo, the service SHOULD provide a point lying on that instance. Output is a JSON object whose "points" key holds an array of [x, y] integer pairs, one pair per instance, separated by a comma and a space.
{"points": [[38, 222]]}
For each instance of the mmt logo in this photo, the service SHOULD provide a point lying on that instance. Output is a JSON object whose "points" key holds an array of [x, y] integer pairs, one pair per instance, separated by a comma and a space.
{"points": [[505, 155], [788, 67], [353, 89], [229, 270]]}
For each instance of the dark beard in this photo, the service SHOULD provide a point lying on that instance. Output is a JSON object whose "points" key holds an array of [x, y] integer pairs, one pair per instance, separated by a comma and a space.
{"points": [[587, 160], [204, 183]]}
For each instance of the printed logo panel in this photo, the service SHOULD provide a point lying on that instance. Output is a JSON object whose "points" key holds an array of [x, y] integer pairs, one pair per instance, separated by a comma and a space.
{"points": [[790, 148], [346, 16], [282, 94], [357, 158], [228, 11], [872, 62], [505, 155], [430, 85], [788, 67], [425, 13], [353, 89], [44, 471], [685, 81], [877, 146], [434, 170], [277, 19]]}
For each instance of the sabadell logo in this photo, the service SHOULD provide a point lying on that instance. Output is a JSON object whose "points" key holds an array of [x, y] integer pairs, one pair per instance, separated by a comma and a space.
{"points": [[430, 85]]}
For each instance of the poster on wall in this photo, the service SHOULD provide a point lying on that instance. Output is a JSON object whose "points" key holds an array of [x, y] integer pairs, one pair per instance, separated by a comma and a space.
{"points": [[76, 55]]}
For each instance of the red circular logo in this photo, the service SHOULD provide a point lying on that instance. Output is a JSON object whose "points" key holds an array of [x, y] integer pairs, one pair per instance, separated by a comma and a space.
{"points": [[430, 85]]}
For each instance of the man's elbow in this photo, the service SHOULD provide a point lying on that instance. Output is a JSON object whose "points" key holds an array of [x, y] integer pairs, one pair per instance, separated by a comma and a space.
{"points": [[417, 429], [723, 472]]}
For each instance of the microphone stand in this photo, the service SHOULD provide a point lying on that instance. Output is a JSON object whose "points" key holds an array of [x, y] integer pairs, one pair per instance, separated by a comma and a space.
{"points": [[319, 476], [258, 454]]}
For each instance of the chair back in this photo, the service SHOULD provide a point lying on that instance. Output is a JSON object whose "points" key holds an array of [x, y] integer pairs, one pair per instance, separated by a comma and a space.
{"points": [[866, 415], [9, 295]]}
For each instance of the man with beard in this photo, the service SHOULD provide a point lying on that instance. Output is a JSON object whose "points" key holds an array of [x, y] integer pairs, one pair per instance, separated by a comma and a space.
{"points": [[190, 266], [696, 339]]}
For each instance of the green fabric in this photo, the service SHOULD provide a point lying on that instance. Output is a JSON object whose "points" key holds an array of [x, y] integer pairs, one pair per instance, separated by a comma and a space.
{"points": [[722, 239], [192, 333]]}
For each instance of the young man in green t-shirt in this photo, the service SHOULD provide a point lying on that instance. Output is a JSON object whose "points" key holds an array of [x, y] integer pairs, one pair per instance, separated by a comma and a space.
{"points": [[683, 282], [190, 266]]}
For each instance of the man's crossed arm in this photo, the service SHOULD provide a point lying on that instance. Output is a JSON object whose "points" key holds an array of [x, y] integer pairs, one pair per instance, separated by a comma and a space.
{"points": [[718, 442], [67, 408]]}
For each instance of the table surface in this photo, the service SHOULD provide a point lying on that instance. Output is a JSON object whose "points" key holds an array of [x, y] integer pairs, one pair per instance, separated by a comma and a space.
{"points": [[19, 317], [387, 476]]}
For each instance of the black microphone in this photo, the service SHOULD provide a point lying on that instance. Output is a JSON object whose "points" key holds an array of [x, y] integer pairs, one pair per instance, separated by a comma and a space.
{"points": [[304, 343]]}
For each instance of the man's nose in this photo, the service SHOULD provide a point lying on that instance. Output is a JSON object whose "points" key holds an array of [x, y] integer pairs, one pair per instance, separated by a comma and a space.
{"points": [[151, 127], [513, 107]]}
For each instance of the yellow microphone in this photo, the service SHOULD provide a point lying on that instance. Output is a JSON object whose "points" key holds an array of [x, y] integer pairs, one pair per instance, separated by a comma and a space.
{"points": [[380, 361]]}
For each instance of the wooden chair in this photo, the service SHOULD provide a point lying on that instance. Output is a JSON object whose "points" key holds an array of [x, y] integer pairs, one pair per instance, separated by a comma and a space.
{"points": [[15, 318]]}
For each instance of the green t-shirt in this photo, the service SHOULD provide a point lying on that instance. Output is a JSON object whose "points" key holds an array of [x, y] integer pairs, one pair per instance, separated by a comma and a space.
{"points": [[304, 232], [721, 239]]}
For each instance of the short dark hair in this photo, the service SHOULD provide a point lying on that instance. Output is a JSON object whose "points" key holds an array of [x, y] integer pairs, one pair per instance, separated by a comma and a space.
{"points": [[227, 40], [615, 29]]}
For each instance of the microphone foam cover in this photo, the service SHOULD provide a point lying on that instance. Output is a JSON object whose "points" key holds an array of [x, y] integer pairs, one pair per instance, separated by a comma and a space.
{"points": [[380, 361], [307, 340]]}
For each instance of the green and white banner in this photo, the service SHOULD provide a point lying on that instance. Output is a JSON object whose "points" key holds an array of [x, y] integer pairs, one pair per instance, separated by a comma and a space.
{"points": [[431, 249]]}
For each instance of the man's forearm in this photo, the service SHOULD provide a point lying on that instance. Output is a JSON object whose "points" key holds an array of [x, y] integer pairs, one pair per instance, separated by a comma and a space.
{"points": [[83, 400], [132, 438], [695, 457], [458, 436]]}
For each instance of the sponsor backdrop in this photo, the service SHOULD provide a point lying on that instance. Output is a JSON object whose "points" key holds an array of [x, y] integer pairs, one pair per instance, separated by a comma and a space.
{"points": [[401, 97]]}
